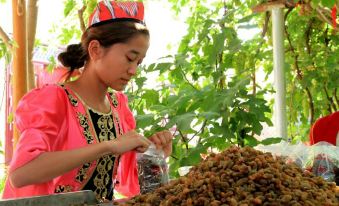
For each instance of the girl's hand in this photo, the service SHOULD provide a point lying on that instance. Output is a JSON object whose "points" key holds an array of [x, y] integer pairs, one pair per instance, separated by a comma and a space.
{"points": [[163, 140], [128, 142]]}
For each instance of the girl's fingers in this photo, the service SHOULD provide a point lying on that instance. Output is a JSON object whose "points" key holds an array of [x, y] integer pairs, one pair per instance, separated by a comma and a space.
{"points": [[156, 140], [141, 149], [146, 140], [162, 138], [143, 145], [168, 136]]}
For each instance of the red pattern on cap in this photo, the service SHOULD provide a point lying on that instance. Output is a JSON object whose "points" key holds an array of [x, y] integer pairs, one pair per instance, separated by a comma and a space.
{"points": [[107, 10]]}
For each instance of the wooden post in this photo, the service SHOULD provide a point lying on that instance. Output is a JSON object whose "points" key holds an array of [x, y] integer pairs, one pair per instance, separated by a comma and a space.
{"points": [[31, 17], [19, 56]]}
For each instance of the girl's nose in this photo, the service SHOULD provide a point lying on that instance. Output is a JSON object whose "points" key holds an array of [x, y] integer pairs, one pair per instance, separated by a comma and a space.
{"points": [[133, 69]]}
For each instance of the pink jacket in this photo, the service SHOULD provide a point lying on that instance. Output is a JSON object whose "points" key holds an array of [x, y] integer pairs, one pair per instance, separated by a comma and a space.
{"points": [[51, 120]]}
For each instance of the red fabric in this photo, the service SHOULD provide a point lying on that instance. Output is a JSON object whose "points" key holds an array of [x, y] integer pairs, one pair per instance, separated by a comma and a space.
{"points": [[107, 10], [48, 122], [334, 16], [325, 129], [127, 177], [40, 118]]}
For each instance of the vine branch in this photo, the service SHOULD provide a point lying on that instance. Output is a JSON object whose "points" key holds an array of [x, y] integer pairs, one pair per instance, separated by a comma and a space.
{"points": [[308, 35], [322, 16], [310, 98], [331, 102], [184, 75], [201, 130], [183, 138], [299, 72], [335, 96], [5, 38], [81, 17], [263, 34], [295, 55], [327, 39]]}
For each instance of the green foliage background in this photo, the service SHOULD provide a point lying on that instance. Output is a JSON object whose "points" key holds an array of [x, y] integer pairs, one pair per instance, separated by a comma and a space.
{"points": [[209, 93]]}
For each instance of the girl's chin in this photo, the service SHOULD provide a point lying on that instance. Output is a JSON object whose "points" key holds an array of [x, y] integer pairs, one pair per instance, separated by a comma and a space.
{"points": [[120, 87]]}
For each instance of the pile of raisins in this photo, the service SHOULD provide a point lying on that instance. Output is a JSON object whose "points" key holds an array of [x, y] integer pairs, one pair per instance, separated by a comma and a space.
{"points": [[243, 177]]}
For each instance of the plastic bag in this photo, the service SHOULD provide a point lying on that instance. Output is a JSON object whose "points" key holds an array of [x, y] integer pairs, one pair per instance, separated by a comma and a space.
{"points": [[325, 160], [152, 169], [322, 159], [297, 153]]}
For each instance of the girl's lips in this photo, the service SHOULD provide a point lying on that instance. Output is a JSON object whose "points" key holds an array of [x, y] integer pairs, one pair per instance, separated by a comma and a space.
{"points": [[125, 80]]}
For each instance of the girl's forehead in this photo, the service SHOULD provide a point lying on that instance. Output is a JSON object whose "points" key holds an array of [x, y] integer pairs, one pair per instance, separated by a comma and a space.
{"points": [[136, 46], [140, 41]]}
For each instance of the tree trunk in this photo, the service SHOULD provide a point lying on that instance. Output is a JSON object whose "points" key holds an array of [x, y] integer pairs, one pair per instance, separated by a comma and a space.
{"points": [[19, 56], [32, 15]]}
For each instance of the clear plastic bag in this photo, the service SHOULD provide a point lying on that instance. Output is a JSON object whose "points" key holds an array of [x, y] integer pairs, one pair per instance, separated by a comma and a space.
{"points": [[152, 169], [322, 159], [325, 160]]}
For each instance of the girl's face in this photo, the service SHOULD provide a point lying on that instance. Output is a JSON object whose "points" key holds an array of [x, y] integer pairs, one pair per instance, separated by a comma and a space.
{"points": [[118, 64]]}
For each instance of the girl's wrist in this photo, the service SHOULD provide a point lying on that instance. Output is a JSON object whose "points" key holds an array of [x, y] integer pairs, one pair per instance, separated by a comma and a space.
{"points": [[110, 147]]}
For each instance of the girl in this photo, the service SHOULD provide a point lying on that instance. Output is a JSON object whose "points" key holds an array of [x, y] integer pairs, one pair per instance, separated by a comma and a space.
{"points": [[78, 135]]}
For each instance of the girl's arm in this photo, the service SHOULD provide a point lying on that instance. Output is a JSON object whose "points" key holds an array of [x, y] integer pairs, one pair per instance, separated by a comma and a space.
{"points": [[49, 165]]}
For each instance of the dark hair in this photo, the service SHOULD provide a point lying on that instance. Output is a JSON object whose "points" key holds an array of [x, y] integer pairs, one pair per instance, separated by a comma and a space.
{"points": [[107, 34]]}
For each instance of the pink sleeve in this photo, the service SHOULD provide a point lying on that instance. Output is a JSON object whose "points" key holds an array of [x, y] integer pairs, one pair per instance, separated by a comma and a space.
{"points": [[38, 117], [127, 176]]}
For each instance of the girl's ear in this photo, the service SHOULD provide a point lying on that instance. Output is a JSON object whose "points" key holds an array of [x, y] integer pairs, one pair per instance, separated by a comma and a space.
{"points": [[94, 50]]}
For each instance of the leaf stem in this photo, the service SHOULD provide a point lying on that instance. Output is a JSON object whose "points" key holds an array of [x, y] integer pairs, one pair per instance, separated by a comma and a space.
{"points": [[201, 130], [185, 77], [183, 138]]}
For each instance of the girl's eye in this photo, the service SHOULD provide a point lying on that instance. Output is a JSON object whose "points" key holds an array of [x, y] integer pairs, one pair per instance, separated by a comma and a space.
{"points": [[129, 59]]}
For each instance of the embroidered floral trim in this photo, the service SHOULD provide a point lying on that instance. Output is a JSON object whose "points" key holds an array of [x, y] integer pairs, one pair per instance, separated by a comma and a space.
{"points": [[73, 100], [83, 121], [115, 114], [106, 126], [84, 124], [102, 178], [118, 129], [82, 173], [63, 188], [114, 99]]}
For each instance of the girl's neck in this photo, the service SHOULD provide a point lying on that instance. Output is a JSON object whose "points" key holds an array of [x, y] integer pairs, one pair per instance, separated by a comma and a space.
{"points": [[92, 91]]}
